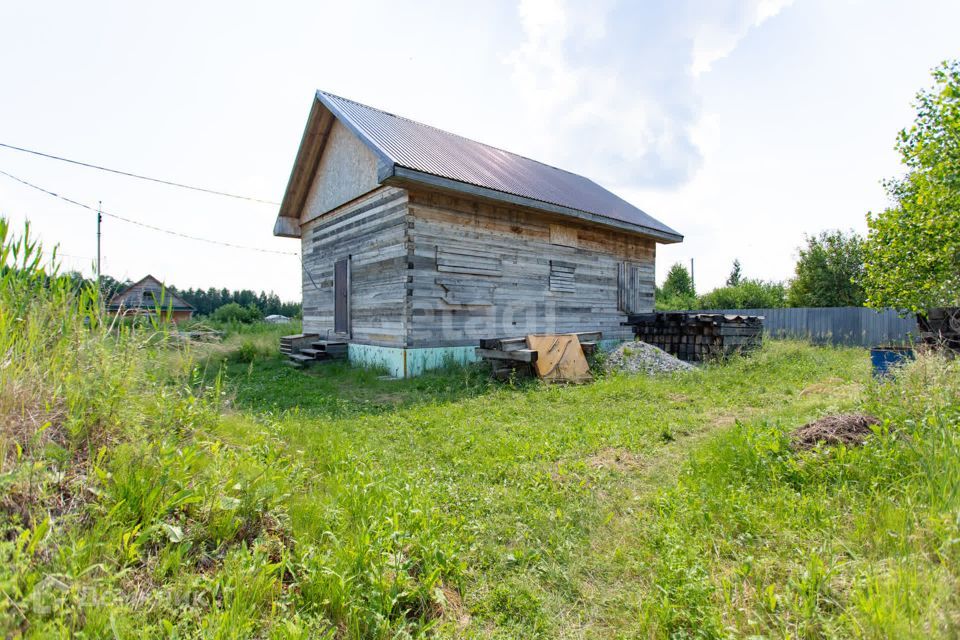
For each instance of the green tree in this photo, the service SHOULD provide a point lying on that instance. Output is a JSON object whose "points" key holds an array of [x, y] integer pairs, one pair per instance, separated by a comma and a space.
{"points": [[912, 257], [829, 272], [677, 291], [735, 274], [678, 282]]}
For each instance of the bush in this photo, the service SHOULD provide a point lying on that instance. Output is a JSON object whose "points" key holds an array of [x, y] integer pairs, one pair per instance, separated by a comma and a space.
{"points": [[749, 294], [233, 313], [247, 352], [675, 303]]}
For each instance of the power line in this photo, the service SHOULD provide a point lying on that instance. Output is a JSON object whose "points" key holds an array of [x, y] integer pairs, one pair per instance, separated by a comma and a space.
{"points": [[144, 224], [136, 175]]}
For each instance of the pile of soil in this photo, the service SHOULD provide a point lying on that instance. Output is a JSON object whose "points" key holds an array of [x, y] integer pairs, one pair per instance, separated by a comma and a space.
{"points": [[640, 357], [848, 429]]}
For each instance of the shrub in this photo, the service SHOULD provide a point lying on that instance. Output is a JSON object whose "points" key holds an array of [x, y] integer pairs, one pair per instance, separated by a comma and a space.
{"points": [[247, 352], [749, 294], [233, 313]]}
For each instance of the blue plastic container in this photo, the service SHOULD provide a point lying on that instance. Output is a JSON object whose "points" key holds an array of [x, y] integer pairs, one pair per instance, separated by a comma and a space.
{"points": [[883, 358]]}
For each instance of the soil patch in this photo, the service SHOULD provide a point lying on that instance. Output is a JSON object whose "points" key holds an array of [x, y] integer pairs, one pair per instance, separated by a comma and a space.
{"points": [[847, 428]]}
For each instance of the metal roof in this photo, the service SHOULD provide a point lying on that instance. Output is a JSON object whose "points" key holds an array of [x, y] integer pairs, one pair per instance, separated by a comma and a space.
{"points": [[417, 152]]}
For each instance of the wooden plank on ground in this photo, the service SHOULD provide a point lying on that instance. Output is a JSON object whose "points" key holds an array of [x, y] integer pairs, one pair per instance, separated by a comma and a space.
{"points": [[520, 355], [559, 358]]}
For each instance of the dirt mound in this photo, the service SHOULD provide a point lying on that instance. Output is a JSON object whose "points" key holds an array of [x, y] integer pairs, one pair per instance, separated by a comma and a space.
{"points": [[847, 428], [640, 357]]}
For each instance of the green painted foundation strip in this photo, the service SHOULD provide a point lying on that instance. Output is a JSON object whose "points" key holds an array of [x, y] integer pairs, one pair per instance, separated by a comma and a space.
{"points": [[407, 363]]}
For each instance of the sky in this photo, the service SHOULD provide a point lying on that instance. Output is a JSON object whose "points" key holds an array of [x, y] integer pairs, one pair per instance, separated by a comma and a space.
{"points": [[743, 124]]}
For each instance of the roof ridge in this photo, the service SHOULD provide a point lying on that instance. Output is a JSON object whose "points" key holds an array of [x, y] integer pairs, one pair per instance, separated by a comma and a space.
{"points": [[456, 135]]}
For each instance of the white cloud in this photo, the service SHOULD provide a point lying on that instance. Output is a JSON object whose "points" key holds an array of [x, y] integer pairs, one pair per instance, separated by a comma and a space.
{"points": [[607, 89], [715, 41]]}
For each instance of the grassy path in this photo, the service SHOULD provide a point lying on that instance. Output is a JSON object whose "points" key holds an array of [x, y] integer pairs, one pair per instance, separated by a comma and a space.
{"points": [[613, 584], [539, 490]]}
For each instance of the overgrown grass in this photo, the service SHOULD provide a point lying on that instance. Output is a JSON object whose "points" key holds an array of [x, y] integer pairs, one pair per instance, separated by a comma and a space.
{"points": [[858, 542], [148, 492]]}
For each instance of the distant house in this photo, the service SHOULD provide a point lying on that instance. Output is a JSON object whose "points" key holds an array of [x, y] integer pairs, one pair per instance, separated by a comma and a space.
{"points": [[146, 297], [277, 319], [416, 242]]}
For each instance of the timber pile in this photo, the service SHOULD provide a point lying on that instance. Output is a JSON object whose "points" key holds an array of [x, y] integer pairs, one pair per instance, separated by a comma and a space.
{"points": [[940, 328], [695, 337], [304, 348], [511, 357]]}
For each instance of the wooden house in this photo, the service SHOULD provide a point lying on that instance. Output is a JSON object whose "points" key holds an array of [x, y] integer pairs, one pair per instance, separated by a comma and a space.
{"points": [[146, 297], [417, 243]]}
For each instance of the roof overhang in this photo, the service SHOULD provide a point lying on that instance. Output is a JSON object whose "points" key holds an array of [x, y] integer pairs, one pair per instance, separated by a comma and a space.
{"points": [[322, 114], [403, 176]]}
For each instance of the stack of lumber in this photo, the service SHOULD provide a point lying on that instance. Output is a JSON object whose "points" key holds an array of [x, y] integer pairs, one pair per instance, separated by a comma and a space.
{"points": [[304, 348], [695, 337], [940, 328], [512, 357]]}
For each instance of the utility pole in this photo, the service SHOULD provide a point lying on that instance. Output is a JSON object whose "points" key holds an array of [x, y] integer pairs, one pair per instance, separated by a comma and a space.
{"points": [[99, 220], [692, 281]]}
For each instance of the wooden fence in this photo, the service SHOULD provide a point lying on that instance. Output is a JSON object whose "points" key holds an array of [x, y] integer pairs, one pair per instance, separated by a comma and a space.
{"points": [[837, 325]]}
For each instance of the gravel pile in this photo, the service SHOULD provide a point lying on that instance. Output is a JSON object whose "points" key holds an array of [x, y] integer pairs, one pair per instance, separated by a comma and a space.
{"points": [[640, 357]]}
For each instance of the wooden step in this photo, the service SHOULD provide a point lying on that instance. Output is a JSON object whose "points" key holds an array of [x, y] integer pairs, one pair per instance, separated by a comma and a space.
{"points": [[302, 359], [329, 346], [316, 354], [331, 349]]}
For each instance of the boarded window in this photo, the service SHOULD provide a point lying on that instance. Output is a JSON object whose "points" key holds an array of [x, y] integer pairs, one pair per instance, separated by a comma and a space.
{"points": [[563, 235], [561, 276], [473, 261], [634, 290], [341, 296]]}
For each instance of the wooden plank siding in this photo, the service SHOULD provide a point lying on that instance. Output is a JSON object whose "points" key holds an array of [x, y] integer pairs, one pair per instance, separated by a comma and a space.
{"points": [[537, 284], [371, 232], [429, 269]]}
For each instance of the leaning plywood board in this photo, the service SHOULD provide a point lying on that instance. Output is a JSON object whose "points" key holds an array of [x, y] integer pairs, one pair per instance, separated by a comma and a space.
{"points": [[559, 358]]}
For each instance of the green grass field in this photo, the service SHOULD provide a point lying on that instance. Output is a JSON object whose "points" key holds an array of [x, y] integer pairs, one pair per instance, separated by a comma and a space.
{"points": [[151, 491]]}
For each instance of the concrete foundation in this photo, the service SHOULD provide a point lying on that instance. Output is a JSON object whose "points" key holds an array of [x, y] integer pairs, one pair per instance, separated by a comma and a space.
{"points": [[407, 363]]}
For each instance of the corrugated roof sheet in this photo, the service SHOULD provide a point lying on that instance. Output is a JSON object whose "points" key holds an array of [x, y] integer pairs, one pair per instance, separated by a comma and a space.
{"points": [[426, 149]]}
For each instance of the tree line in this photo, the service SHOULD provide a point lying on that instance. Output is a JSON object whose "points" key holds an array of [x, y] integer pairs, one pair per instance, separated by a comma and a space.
{"points": [[828, 273], [252, 305], [206, 302]]}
